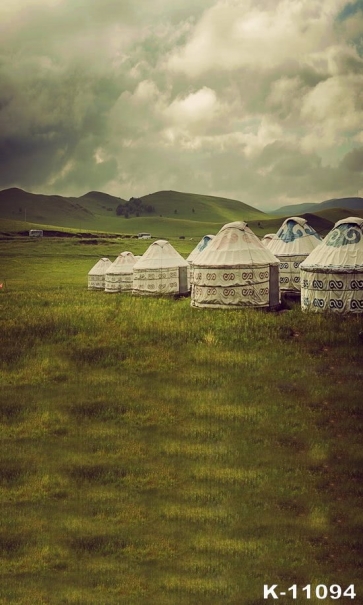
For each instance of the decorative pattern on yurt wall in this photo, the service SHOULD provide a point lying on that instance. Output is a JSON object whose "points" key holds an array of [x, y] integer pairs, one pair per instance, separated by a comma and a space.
{"points": [[120, 274], [241, 286], [96, 276], [235, 270], [293, 242], [332, 276], [339, 292], [156, 281]]}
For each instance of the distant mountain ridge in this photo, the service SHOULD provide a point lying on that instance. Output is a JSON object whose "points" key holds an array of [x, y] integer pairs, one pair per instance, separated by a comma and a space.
{"points": [[351, 203], [163, 214], [100, 211]]}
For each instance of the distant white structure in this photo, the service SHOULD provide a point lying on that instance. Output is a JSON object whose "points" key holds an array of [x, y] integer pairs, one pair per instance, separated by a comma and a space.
{"points": [[235, 270], [36, 233], [194, 253], [96, 276], [332, 275], [291, 245], [118, 277], [144, 235], [160, 271]]}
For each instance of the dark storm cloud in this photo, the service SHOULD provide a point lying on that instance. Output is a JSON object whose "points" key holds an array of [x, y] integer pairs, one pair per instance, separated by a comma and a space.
{"points": [[46, 120], [62, 69], [353, 161]]}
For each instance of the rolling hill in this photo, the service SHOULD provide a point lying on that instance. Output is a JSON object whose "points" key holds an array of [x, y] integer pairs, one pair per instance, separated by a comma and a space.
{"points": [[170, 214], [173, 213], [348, 203], [85, 211]]}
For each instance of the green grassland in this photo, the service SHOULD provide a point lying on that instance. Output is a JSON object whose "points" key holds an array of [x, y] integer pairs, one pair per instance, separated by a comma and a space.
{"points": [[155, 454], [160, 227]]}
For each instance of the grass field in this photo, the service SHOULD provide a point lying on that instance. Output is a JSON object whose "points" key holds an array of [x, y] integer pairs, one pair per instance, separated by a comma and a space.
{"points": [[157, 454]]}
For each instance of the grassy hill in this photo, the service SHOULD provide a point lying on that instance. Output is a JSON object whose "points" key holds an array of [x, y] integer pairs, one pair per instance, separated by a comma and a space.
{"points": [[201, 208], [348, 203], [336, 214], [36, 208], [173, 214]]}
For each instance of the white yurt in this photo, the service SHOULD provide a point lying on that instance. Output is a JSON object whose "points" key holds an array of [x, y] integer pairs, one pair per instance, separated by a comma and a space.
{"points": [[194, 253], [291, 245], [96, 276], [118, 276], [160, 271], [332, 275], [267, 238], [235, 270]]}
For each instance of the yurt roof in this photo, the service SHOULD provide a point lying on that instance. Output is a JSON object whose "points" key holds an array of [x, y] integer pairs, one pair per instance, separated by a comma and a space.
{"points": [[297, 219], [124, 263], [160, 255], [268, 237], [341, 250], [100, 267], [235, 245], [295, 237], [352, 220], [204, 242]]}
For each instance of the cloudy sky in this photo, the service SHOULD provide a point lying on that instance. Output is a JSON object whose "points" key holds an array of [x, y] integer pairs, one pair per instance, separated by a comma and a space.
{"points": [[256, 100]]}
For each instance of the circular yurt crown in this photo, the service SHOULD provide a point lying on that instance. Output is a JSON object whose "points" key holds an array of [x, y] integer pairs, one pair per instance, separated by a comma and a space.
{"points": [[235, 245], [241, 225], [296, 219], [160, 242]]}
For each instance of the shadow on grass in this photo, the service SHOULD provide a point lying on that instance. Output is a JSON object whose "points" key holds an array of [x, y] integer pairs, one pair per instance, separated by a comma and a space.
{"points": [[97, 544], [97, 410], [96, 473], [14, 544], [14, 472], [93, 352]]}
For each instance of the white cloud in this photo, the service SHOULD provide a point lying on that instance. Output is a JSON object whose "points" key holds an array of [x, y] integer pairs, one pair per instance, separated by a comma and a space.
{"points": [[231, 35], [195, 107], [333, 110], [146, 91]]}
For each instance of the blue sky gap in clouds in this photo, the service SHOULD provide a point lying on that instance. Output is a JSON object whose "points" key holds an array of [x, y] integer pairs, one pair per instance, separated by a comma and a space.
{"points": [[350, 9]]}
